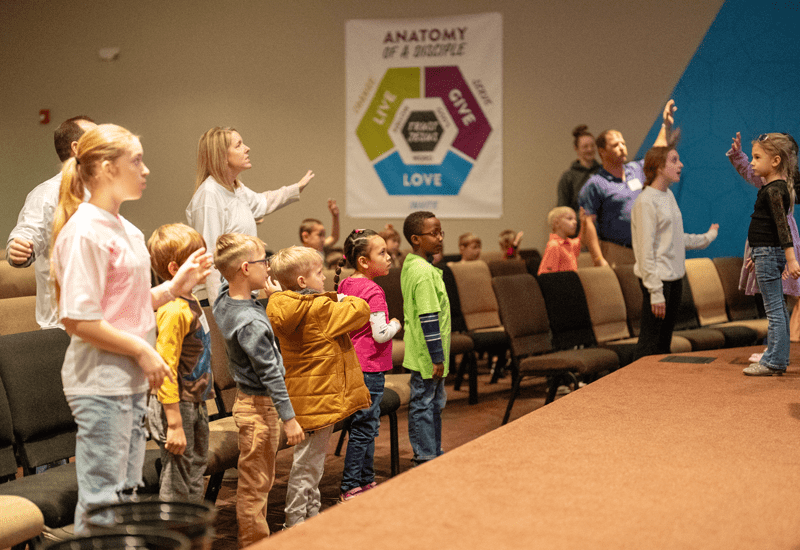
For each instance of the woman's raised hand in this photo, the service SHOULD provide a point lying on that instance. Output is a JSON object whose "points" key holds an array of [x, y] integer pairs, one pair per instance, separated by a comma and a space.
{"points": [[307, 178]]}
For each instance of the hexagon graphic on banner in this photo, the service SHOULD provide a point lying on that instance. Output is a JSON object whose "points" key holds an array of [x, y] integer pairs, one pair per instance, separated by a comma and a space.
{"points": [[423, 142]]}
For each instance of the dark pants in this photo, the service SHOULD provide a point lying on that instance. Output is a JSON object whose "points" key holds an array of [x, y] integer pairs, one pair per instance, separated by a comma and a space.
{"points": [[655, 335]]}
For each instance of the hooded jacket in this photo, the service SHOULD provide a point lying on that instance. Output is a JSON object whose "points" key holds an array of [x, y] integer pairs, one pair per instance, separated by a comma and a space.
{"points": [[323, 376]]}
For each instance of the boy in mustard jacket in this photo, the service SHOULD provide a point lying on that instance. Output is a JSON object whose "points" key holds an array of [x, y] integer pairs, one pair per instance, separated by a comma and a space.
{"points": [[323, 376]]}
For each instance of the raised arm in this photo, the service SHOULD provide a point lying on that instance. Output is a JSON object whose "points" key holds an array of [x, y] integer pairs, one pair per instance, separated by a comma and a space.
{"points": [[331, 239], [592, 241], [740, 161], [662, 140]]}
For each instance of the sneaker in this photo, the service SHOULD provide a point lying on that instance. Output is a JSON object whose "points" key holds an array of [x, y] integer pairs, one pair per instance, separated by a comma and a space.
{"points": [[369, 486], [563, 390], [352, 493], [757, 369]]}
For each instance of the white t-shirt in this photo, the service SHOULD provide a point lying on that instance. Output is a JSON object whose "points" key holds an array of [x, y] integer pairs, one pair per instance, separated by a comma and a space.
{"points": [[103, 267], [214, 211]]}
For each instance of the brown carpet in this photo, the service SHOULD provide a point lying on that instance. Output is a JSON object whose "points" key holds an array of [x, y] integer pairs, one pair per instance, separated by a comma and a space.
{"points": [[656, 455], [461, 423]]}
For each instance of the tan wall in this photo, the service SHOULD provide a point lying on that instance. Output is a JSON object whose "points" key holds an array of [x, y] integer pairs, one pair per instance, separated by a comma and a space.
{"points": [[275, 71]]}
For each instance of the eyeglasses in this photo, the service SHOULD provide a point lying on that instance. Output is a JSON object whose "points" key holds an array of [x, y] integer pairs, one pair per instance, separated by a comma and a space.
{"points": [[434, 234], [264, 261]]}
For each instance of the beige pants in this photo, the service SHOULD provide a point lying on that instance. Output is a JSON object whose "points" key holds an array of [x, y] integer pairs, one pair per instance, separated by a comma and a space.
{"points": [[616, 254], [259, 433]]}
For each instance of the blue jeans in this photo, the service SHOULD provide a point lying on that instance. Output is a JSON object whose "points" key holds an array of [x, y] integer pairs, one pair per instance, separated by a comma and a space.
{"points": [[428, 398], [770, 262], [364, 427], [109, 450]]}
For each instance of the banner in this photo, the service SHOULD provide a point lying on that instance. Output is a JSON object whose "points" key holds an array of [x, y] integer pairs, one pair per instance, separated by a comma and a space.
{"points": [[424, 117]]}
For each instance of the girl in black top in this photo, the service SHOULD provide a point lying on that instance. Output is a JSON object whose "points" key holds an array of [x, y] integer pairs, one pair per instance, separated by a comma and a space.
{"points": [[774, 160]]}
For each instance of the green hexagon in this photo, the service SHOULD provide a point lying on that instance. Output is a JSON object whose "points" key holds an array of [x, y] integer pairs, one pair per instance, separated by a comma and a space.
{"points": [[373, 130]]}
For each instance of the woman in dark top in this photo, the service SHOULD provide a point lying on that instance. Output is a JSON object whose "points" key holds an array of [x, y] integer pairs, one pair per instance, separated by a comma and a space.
{"points": [[772, 249], [571, 182]]}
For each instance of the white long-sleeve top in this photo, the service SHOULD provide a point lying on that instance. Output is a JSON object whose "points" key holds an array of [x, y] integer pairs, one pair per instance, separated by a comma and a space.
{"points": [[214, 211], [659, 242]]}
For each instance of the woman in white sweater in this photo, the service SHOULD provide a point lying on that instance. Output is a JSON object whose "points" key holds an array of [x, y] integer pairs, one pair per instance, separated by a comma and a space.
{"points": [[659, 245], [221, 203]]}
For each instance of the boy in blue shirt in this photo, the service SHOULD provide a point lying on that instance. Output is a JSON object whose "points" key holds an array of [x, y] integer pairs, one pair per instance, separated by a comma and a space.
{"points": [[257, 368]]}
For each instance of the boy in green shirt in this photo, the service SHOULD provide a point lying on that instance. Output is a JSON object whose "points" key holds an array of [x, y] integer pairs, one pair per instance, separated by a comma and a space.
{"points": [[427, 334]]}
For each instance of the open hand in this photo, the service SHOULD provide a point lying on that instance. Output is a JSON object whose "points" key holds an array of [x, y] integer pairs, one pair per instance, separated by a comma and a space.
{"points": [[669, 113], [307, 178], [736, 146], [332, 207]]}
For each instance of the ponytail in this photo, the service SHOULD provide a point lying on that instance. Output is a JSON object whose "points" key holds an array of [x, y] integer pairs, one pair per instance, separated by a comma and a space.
{"points": [[339, 265]]}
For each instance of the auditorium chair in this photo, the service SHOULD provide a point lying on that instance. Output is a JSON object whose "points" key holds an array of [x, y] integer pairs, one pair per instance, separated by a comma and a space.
{"points": [[16, 281], [480, 310], [709, 302], [43, 427], [460, 342], [607, 311], [739, 305], [394, 301], [523, 312], [699, 338], [507, 267]]}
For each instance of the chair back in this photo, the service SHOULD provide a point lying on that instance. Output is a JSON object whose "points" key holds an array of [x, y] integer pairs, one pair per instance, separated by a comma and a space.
{"points": [[8, 462], [507, 267], [707, 291], [224, 385], [686, 318], [740, 305], [523, 313], [478, 302], [567, 310], [457, 323], [15, 281], [632, 294], [30, 367], [394, 295], [606, 303], [18, 314]]}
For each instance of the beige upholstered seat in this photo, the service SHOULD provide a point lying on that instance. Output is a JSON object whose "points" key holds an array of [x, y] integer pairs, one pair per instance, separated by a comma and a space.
{"points": [[699, 339], [709, 298], [607, 309]]}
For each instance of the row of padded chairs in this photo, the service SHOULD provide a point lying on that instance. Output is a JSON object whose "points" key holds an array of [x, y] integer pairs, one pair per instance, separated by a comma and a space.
{"points": [[595, 306], [37, 428]]}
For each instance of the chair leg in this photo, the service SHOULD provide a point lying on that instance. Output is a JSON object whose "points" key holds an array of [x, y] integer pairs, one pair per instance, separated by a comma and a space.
{"points": [[394, 445], [472, 366], [514, 392], [459, 374], [214, 485]]}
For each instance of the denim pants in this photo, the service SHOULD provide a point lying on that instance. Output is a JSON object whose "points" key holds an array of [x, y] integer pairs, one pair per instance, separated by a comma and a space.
{"points": [[770, 262], [428, 398], [109, 450], [308, 463], [181, 475], [364, 427], [259, 433]]}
